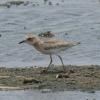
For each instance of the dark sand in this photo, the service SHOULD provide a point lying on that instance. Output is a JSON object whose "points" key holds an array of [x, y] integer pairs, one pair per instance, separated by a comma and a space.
{"points": [[85, 78]]}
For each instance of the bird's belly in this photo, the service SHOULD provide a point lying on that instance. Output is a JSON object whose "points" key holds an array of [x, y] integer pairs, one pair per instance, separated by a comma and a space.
{"points": [[54, 51]]}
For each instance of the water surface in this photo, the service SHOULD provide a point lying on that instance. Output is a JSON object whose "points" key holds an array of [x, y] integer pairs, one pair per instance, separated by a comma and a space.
{"points": [[79, 18], [39, 95]]}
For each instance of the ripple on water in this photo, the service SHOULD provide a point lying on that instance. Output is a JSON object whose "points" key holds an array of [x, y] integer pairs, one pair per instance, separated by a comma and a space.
{"points": [[80, 19], [39, 95]]}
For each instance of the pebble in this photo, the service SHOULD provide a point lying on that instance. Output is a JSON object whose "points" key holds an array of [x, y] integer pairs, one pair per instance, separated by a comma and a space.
{"points": [[62, 76]]}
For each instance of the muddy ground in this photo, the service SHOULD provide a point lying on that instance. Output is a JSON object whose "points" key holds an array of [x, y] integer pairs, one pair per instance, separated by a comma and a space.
{"points": [[85, 78]]}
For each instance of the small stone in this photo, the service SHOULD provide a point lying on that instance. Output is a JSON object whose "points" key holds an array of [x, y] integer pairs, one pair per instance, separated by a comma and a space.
{"points": [[71, 71], [66, 76], [62, 76], [44, 71], [30, 80], [58, 76]]}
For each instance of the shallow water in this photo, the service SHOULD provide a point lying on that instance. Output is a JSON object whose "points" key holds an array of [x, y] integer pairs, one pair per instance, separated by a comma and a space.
{"points": [[79, 18], [39, 95]]}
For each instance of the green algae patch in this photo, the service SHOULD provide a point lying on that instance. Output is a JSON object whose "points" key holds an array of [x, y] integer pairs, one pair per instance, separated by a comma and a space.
{"points": [[86, 78]]}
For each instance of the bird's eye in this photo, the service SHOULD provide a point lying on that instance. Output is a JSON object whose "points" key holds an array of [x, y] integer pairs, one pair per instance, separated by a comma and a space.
{"points": [[30, 39]]}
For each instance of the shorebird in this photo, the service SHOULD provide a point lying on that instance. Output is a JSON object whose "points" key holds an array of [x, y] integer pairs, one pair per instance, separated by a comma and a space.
{"points": [[49, 46]]}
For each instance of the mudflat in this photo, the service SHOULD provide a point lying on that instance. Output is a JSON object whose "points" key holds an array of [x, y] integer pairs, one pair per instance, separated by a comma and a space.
{"points": [[85, 78]]}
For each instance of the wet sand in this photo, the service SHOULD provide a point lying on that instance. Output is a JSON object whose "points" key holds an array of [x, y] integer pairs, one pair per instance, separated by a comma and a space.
{"points": [[84, 78]]}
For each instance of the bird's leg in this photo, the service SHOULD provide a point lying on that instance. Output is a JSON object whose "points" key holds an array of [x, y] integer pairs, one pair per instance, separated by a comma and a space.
{"points": [[62, 62], [50, 62]]}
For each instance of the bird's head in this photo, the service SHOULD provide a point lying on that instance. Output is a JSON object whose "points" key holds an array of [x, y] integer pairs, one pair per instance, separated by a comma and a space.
{"points": [[30, 39]]}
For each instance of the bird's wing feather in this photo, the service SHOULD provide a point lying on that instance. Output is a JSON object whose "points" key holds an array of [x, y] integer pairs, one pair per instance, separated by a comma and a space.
{"points": [[52, 44]]}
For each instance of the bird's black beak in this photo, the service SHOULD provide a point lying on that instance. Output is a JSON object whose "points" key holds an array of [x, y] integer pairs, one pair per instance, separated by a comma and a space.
{"points": [[21, 42]]}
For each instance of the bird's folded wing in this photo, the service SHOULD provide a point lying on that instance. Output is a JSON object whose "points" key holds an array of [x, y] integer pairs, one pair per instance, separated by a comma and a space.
{"points": [[54, 44]]}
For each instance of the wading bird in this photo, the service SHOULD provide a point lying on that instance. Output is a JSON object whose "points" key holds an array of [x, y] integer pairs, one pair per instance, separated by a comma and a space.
{"points": [[49, 46]]}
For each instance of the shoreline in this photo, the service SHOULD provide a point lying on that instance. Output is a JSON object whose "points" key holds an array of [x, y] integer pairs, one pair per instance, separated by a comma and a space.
{"points": [[83, 78]]}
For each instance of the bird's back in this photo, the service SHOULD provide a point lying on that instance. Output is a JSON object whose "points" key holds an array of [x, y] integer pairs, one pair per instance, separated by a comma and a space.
{"points": [[55, 46]]}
